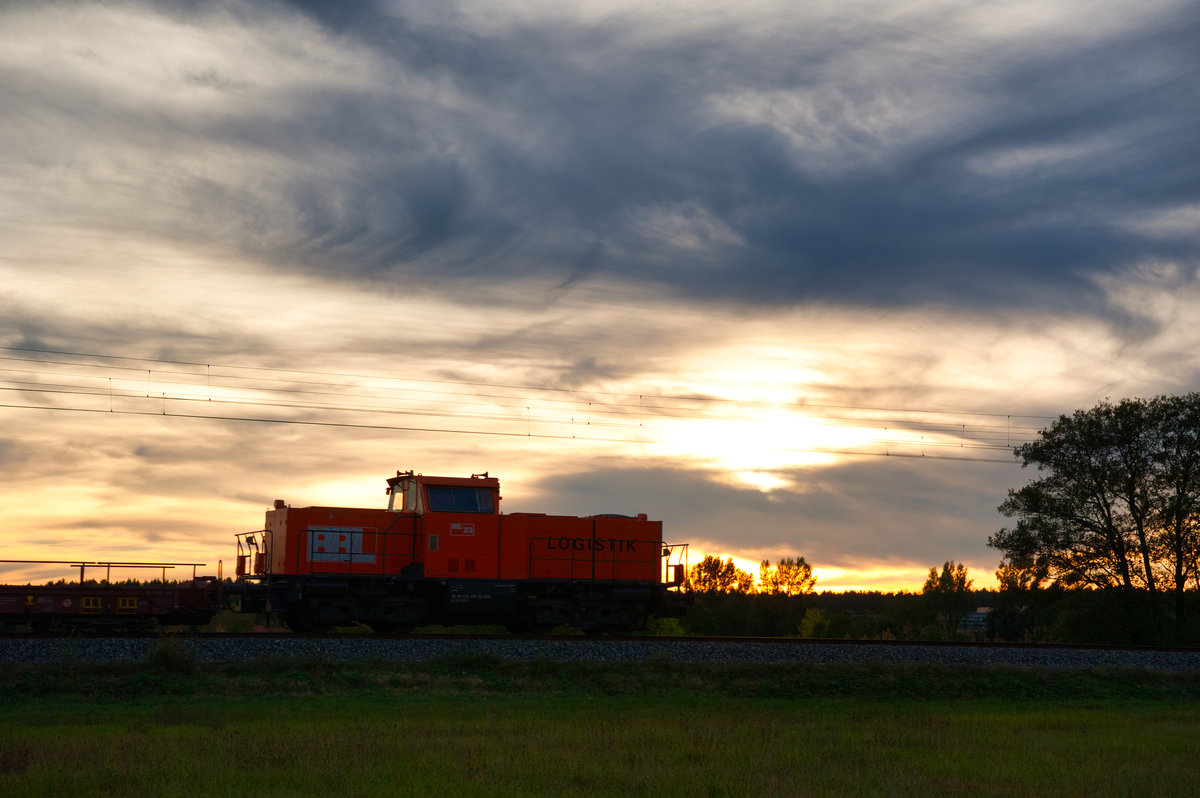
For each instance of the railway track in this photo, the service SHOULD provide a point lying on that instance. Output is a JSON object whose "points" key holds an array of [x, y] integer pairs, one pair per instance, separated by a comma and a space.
{"points": [[258, 646]]}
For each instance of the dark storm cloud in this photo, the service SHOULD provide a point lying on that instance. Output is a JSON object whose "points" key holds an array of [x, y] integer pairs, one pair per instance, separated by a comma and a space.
{"points": [[856, 159], [625, 124]]}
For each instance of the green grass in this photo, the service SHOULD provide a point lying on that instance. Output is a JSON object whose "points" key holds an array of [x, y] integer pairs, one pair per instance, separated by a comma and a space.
{"points": [[480, 726]]}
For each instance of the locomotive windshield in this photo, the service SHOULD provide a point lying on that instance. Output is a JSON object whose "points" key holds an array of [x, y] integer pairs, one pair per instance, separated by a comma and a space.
{"points": [[445, 499]]}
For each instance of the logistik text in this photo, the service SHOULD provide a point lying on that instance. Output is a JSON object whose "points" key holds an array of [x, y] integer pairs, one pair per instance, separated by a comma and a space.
{"points": [[589, 544]]}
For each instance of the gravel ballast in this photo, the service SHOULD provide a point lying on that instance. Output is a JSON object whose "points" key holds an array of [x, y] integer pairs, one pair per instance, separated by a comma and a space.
{"points": [[241, 649]]}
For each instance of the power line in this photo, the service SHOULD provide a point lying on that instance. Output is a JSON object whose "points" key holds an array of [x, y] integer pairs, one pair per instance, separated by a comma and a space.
{"points": [[978, 440], [252, 390], [692, 398], [60, 391], [452, 431], [309, 423]]}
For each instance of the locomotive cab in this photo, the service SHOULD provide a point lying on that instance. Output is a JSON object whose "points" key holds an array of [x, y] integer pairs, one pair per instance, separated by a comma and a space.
{"points": [[457, 522], [414, 493]]}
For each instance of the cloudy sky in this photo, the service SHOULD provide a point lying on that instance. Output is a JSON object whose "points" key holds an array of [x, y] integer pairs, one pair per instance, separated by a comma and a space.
{"points": [[792, 277]]}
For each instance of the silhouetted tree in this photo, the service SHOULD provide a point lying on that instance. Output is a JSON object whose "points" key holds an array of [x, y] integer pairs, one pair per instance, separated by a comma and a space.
{"points": [[1177, 493], [791, 576], [949, 594], [1116, 505], [1015, 605], [711, 575]]}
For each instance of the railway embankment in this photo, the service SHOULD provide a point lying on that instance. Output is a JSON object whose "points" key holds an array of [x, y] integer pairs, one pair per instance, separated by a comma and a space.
{"points": [[244, 648]]}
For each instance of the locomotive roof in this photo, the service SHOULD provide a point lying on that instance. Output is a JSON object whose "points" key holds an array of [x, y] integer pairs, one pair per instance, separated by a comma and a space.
{"points": [[472, 481]]}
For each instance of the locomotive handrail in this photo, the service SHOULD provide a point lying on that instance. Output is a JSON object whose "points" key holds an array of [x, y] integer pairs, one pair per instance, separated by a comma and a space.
{"points": [[674, 574], [246, 541]]}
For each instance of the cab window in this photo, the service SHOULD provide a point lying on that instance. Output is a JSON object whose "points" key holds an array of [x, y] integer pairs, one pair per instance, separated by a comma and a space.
{"points": [[444, 499]]}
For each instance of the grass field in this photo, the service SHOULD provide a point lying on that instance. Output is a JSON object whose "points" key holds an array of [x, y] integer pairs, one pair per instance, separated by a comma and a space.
{"points": [[485, 727]]}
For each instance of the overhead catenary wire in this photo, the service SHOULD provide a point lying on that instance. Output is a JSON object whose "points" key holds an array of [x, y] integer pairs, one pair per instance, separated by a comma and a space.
{"points": [[592, 404], [726, 408], [111, 395], [540, 388], [310, 423], [458, 431], [366, 400], [296, 406], [107, 389]]}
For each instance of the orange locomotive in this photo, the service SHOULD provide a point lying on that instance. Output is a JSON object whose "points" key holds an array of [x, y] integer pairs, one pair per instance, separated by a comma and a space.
{"points": [[442, 553]]}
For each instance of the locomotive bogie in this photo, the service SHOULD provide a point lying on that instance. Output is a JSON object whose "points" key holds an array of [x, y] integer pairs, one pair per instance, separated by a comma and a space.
{"points": [[316, 604]]}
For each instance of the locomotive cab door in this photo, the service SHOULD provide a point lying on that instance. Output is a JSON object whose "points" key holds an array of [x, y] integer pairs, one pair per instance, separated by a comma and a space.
{"points": [[461, 529]]}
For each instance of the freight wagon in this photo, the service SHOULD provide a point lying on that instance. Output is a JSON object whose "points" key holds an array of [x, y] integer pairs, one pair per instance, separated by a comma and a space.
{"points": [[99, 604]]}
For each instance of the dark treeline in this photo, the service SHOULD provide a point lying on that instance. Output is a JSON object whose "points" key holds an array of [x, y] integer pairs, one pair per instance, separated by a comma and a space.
{"points": [[1052, 615], [782, 603], [866, 615], [1095, 616]]}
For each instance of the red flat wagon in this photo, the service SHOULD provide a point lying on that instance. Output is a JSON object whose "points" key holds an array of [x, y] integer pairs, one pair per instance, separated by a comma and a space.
{"points": [[99, 604]]}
